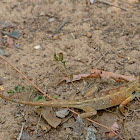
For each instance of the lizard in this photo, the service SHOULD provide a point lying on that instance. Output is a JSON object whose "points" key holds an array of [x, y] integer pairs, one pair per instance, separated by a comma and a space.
{"points": [[101, 100]]}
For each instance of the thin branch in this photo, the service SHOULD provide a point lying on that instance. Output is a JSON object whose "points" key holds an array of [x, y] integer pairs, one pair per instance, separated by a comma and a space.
{"points": [[61, 26], [20, 134], [110, 4]]}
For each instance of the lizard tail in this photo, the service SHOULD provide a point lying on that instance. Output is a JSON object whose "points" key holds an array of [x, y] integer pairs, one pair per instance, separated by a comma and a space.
{"points": [[22, 102], [42, 104]]}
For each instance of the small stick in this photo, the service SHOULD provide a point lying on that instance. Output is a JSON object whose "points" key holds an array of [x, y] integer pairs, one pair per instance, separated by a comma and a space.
{"points": [[73, 36], [61, 26], [100, 58], [110, 4], [97, 61], [20, 134]]}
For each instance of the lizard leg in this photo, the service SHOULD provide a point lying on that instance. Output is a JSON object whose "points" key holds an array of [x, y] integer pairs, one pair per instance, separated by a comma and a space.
{"points": [[125, 102], [89, 111]]}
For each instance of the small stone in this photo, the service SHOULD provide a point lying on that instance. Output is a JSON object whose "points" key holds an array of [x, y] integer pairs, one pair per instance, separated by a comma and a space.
{"points": [[62, 113], [17, 115], [109, 10], [2, 52], [42, 13], [89, 35], [37, 47], [129, 58], [46, 127], [1, 88], [51, 20], [56, 37], [14, 137], [13, 6], [67, 47], [87, 9], [104, 23]]}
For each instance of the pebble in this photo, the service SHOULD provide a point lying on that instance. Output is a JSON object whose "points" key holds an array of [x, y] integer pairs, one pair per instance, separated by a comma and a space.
{"points": [[42, 13], [104, 23], [67, 47], [62, 113], [13, 6], [56, 37], [46, 127], [89, 35], [51, 20], [2, 52], [1, 88], [109, 10], [14, 137], [37, 47]]}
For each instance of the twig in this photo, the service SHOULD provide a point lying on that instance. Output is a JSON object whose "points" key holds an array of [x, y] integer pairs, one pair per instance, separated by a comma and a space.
{"points": [[54, 99], [73, 36], [61, 26], [97, 61], [110, 4], [100, 58], [19, 137]]}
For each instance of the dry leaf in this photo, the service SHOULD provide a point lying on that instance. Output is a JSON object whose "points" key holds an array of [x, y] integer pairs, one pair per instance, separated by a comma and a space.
{"points": [[110, 134], [99, 74], [75, 77], [117, 77], [115, 126]]}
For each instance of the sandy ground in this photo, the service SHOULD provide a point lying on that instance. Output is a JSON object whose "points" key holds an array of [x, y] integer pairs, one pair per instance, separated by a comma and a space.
{"points": [[99, 35]]}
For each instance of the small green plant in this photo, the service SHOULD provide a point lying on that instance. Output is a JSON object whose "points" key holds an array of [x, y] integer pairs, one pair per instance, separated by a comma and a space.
{"points": [[117, 108], [19, 90], [60, 58], [39, 99], [71, 77], [55, 57], [11, 92], [36, 91]]}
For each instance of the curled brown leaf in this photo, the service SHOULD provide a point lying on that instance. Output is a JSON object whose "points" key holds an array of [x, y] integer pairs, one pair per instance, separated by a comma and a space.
{"points": [[99, 74]]}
